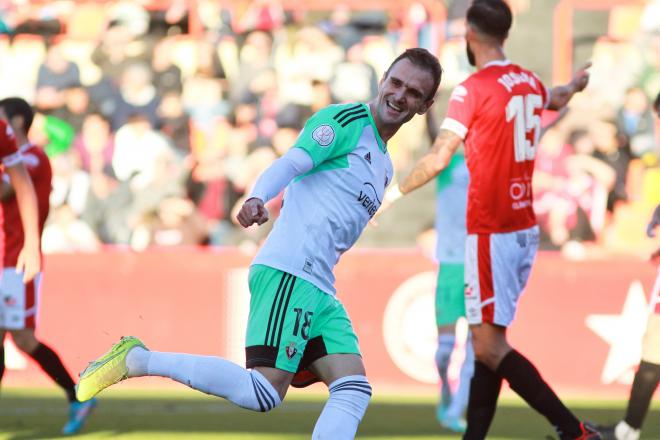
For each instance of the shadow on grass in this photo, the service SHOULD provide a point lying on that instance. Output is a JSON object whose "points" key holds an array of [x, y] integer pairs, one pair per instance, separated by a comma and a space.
{"points": [[41, 417]]}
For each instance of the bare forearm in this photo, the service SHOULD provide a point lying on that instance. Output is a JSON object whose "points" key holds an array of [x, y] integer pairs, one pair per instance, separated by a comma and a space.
{"points": [[561, 95], [432, 163]]}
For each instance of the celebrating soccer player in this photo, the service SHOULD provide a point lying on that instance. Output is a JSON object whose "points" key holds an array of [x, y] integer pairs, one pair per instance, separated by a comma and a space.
{"points": [[298, 331], [496, 112]]}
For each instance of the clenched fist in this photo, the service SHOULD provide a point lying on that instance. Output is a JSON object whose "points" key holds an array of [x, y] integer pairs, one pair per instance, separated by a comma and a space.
{"points": [[252, 211]]}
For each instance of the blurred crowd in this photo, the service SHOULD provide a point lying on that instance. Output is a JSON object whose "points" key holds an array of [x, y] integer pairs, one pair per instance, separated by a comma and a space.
{"points": [[158, 119]]}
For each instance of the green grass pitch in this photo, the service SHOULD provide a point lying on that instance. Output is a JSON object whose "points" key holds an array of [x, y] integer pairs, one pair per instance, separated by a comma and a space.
{"points": [[173, 414]]}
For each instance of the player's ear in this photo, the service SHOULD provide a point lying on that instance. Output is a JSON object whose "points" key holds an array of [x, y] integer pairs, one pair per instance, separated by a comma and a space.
{"points": [[425, 107]]}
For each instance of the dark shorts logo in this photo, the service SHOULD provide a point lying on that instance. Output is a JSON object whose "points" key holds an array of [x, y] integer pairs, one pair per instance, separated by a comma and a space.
{"points": [[323, 135]]}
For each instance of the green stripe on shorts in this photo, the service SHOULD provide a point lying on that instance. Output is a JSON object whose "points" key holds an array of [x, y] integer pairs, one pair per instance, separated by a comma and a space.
{"points": [[450, 293]]}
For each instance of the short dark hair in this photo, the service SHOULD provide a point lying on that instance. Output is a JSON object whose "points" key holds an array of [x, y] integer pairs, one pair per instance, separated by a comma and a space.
{"points": [[490, 17], [16, 106], [424, 59]]}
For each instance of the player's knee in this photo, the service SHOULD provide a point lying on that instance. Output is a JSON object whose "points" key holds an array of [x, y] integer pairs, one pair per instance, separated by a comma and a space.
{"points": [[490, 356], [352, 394], [259, 394]]}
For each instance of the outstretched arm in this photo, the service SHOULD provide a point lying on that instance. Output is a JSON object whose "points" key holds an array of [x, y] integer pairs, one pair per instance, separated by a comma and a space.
{"points": [[433, 162], [271, 182], [29, 259], [561, 95]]}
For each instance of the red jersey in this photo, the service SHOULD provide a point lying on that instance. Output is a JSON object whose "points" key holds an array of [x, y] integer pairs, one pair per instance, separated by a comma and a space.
{"points": [[38, 166], [9, 154], [497, 112]]}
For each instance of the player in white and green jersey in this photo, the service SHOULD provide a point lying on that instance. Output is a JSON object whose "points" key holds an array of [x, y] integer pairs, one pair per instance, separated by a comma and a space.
{"points": [[298, 331], [451, 202]]}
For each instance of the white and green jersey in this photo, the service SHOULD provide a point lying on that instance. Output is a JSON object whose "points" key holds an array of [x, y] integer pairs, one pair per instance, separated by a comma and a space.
{"points": [[451, 205], [325, 210]]}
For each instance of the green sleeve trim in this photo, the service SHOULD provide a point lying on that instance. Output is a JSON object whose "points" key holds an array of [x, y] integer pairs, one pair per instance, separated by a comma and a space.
{"points": [[327, 135]]}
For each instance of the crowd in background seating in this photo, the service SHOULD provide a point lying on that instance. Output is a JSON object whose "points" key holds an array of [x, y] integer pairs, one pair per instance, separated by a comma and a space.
{"points": [[156, 132]]}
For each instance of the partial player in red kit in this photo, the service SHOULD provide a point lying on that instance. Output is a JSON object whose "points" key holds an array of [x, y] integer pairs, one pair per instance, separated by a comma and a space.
{"points": [[19, 297], [496, 112]]}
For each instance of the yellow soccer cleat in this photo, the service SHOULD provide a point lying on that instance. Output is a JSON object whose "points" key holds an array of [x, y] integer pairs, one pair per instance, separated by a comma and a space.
{"points": [[106, 370]]}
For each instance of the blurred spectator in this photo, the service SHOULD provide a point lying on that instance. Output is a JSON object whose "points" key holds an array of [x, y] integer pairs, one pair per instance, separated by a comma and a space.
{"points": [[166, 74], [208, 60], [175, 122], [255, 59], [94, 145], [610, 149], [353, 80], [77, 105], [175, 222], [137, 94], [261, 15], [341, 27], [203, 99], [70, 183], [570, 187], [64, 232], [636, 123], [107, 207], [55, 75], [137, 148], [117, 49]]}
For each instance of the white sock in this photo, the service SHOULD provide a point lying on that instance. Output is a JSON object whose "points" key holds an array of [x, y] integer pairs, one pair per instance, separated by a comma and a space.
{"points": [[624, 431], [211, 375], [446, 343], [342, 413], [460, 399]]}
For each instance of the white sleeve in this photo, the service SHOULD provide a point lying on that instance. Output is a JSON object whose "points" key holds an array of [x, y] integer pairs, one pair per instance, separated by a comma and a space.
{"points": [[277, 176]]}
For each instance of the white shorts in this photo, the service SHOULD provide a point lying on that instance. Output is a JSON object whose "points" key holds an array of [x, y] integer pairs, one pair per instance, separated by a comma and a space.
{"points": [[497, 267], [18, 301]]}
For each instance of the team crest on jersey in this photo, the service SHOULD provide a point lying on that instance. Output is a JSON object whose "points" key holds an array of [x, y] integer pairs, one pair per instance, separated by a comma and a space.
{"points": [[323, 135], [458, 94], [291, 350]]}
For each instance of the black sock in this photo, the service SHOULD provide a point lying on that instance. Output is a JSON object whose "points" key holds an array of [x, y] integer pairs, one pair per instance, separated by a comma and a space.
{"points": [[50, 362], [643, 387], [525, 380], [484, 391]]}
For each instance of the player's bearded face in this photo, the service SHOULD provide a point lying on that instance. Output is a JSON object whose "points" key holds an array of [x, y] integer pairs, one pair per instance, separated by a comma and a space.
{"points": [[470, 54]]}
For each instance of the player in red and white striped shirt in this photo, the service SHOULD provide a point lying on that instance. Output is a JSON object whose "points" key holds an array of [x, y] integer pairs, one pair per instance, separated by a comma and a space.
{"points": [[496, 113]]}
